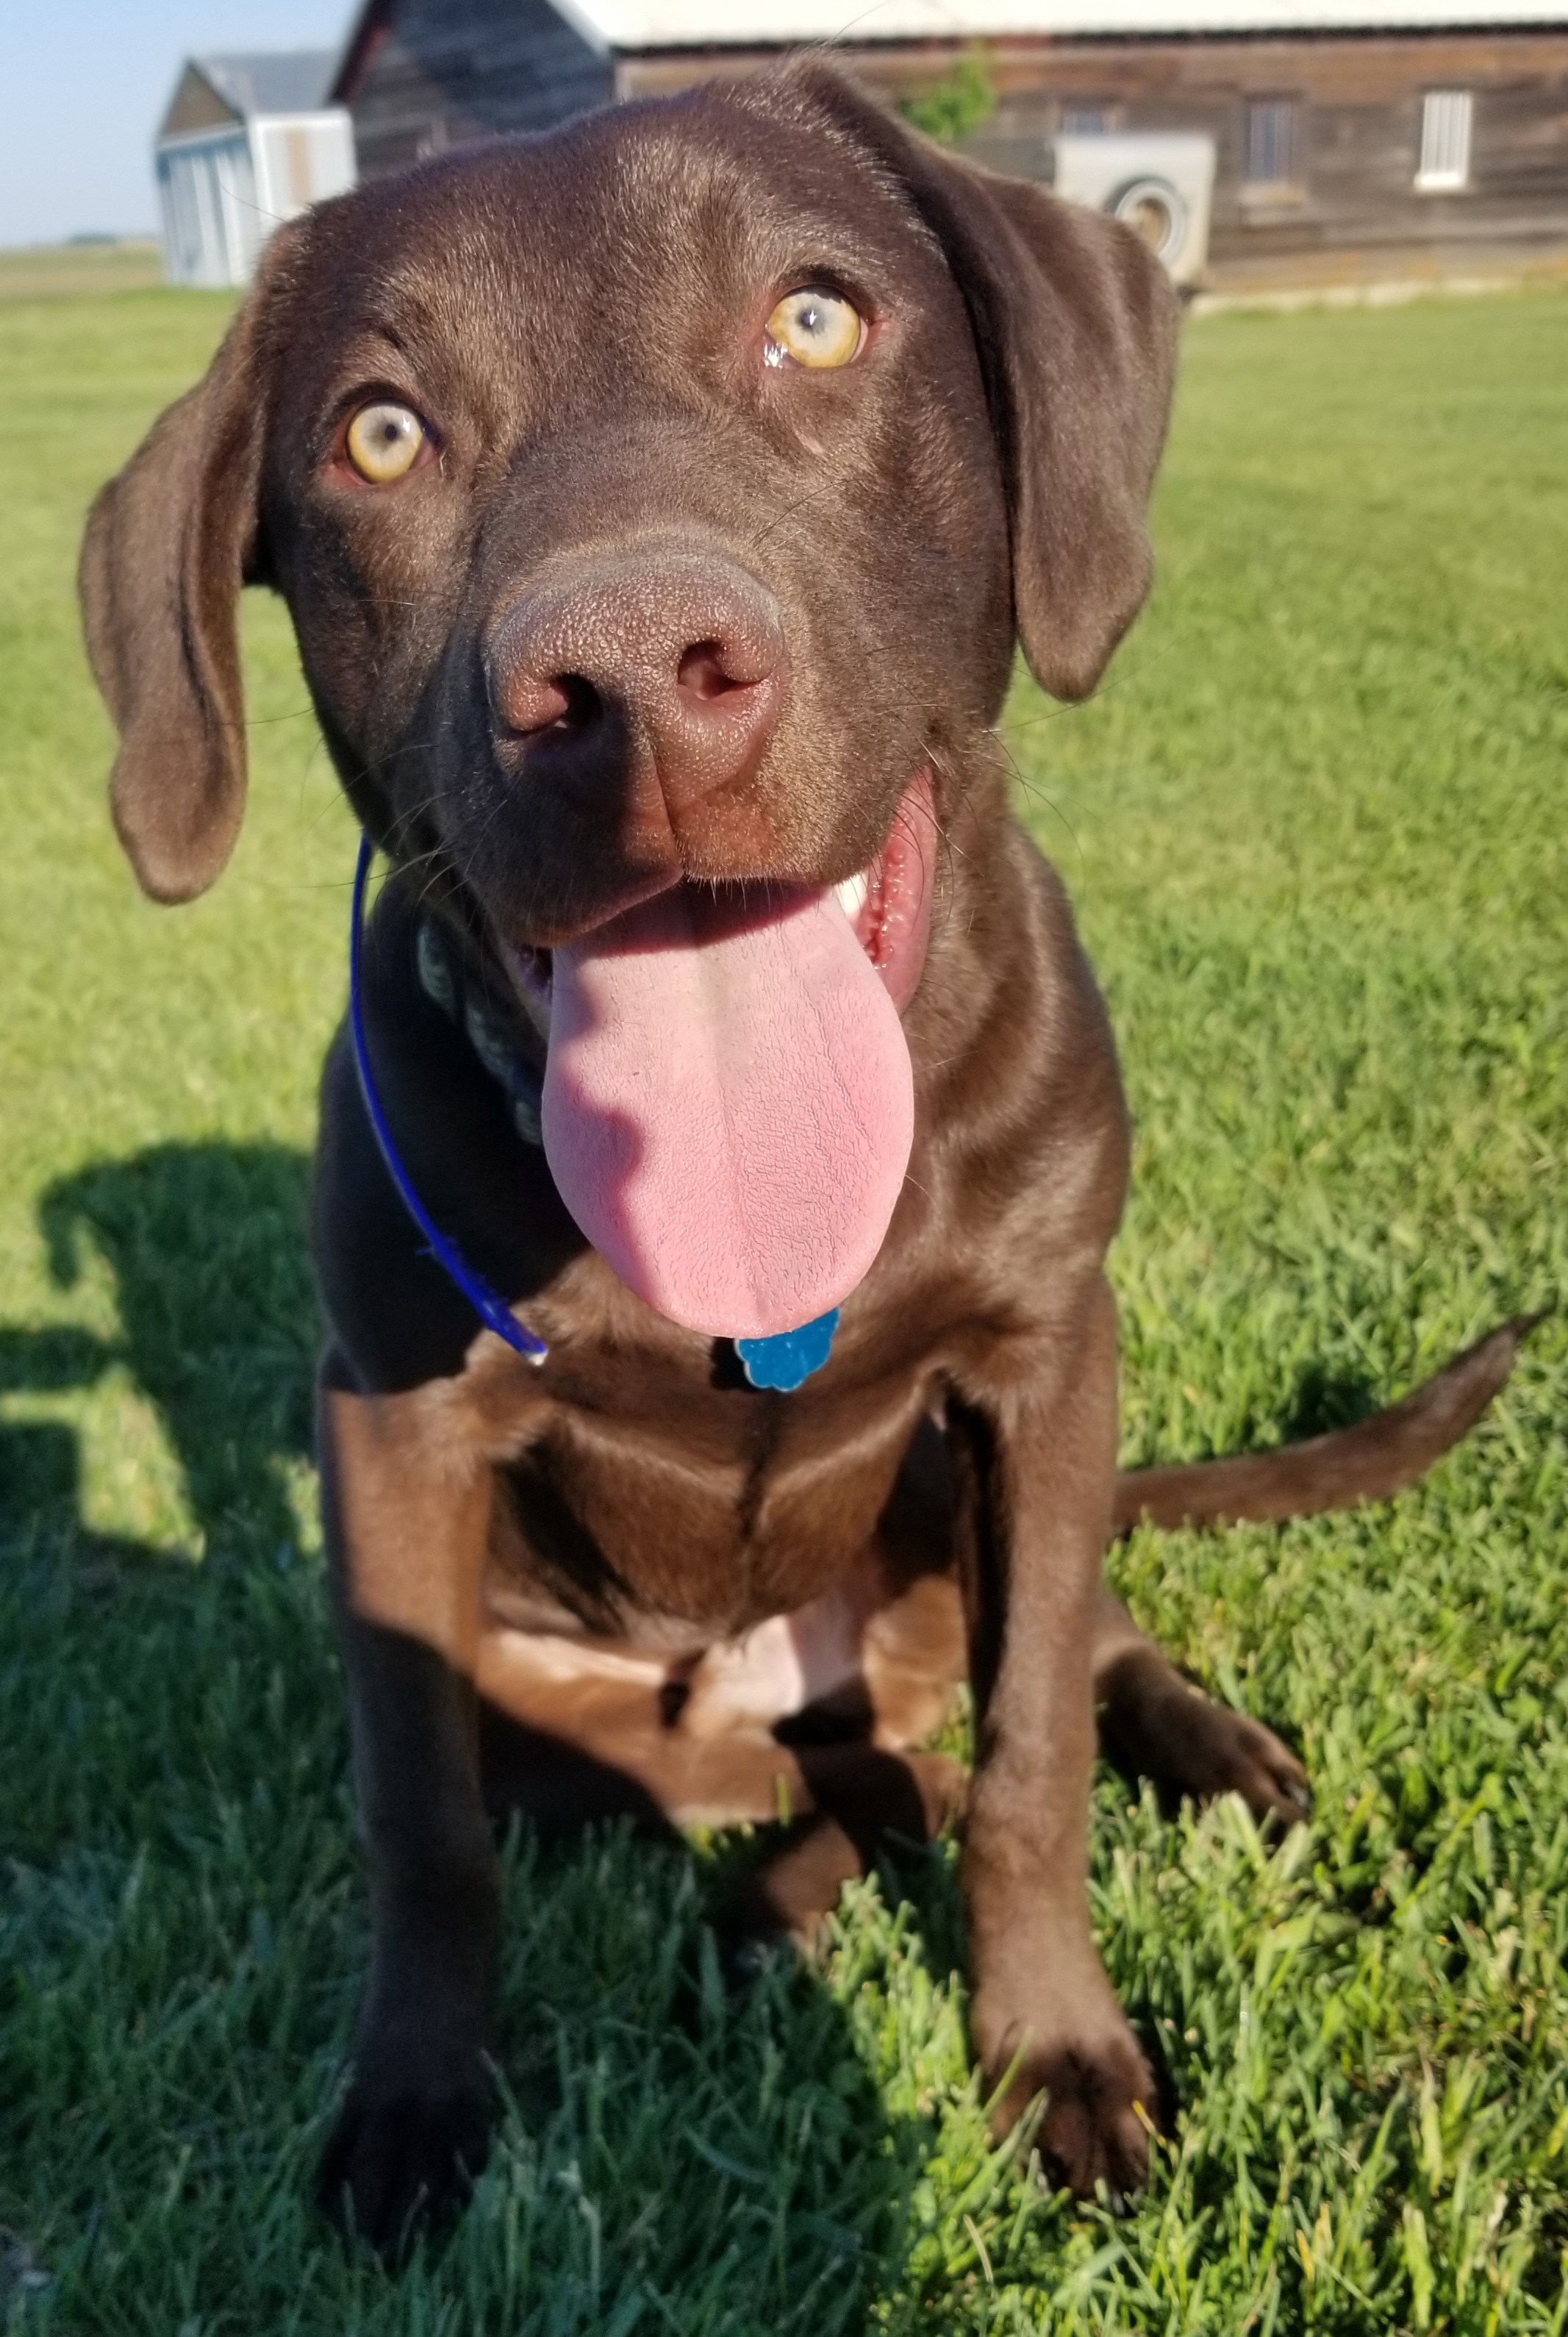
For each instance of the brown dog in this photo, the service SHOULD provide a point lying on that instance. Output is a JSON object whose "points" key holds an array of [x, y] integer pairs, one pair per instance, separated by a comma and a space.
{"points": [[658, 502]]}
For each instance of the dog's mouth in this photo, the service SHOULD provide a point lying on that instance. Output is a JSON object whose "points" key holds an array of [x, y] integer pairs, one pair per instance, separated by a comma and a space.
{"points": [[887, 905], [728, 1102]]}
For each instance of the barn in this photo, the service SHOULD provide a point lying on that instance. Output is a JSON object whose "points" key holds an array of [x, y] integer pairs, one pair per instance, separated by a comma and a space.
{"points": [[1351, 139], [247, 142]]}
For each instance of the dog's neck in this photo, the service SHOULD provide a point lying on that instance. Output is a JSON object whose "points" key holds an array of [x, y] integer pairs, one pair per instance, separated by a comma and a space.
{"points": [[507, 1043]]}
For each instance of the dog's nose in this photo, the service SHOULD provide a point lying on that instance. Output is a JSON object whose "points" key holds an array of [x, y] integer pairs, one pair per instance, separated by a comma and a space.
{"points": [[668, 672]]}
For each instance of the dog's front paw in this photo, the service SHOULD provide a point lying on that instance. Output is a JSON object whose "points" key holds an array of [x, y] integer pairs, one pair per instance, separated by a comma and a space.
{"points": [[1100, 2098], [404, 2151]]}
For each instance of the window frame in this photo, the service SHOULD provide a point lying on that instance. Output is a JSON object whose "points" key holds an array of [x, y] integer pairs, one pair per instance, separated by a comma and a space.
{"points": [[1442, 135], [1075, 112], [1286, 110]]}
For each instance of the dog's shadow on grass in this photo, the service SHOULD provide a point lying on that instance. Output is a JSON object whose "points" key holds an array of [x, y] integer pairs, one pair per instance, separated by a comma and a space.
{"points": [[204, 1245], [751, 2098]]}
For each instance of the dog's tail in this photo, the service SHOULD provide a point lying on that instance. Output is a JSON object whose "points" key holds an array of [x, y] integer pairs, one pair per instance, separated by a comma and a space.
{"points": [[1367, 1462]]}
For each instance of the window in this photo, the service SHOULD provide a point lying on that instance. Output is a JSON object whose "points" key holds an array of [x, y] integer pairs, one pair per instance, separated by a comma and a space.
{"points": [[1086, 118], [1271, 142], [1445, 118]]}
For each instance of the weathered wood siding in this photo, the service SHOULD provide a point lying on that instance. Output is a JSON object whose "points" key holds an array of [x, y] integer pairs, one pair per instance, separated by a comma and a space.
{"points": [[1359, 109], [1358, 102], [427, 74]]}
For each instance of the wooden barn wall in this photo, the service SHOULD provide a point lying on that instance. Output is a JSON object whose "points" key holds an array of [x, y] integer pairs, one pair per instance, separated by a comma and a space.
{"points": [[441, 73], [1359, 100]]}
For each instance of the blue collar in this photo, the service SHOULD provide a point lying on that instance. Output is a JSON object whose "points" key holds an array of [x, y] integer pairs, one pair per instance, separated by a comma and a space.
{"points": [[486, 1301]]}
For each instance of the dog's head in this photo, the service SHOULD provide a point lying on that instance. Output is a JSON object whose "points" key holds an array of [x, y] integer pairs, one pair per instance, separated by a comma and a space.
{"points": [[657, 503], [609, 554]]}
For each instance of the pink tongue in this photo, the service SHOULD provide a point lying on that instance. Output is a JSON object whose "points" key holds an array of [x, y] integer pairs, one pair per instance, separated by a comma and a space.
{"points": [[729, 1106]]}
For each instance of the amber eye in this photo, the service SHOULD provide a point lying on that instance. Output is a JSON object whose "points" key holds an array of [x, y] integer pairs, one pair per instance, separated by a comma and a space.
{"points": [[813, 328], [384, 441]]}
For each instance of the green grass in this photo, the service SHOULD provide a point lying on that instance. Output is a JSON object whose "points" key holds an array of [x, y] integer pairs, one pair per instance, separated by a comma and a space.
{"points": [[1315, 828], [54, 271]]}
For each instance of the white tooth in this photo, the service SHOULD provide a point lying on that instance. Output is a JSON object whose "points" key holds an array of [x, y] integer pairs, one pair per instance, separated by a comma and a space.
{"points": [[851, 895]]}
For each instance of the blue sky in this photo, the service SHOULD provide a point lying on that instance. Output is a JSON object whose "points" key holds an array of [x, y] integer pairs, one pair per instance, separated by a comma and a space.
{"points": [[83, 84]]}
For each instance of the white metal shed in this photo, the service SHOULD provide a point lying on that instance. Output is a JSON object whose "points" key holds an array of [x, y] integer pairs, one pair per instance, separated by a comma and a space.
{"points": [[247, 142]]}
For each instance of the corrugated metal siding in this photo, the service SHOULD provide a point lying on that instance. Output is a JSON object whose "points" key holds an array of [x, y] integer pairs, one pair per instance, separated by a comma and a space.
{"points": [[629, 25], [445, 71], [212, 226]]}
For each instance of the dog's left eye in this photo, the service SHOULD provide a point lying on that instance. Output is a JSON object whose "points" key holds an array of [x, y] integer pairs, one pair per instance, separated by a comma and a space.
{"points": [[384, 443], [813, 328]]}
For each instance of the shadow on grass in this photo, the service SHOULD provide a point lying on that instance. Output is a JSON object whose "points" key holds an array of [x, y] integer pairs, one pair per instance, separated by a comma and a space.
{"points": [[183, 1688], [206, 1247], [1325, 1399]]}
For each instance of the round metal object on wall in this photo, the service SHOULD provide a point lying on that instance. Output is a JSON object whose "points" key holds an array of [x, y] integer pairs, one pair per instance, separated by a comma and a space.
{"points": [[1153, 209]]}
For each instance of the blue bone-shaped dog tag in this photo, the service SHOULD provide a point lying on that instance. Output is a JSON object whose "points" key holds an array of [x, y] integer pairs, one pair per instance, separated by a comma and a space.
{"points": [[789, 1357]]}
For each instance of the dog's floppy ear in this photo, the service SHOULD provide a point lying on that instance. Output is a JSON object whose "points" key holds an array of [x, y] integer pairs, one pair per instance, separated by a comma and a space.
{"points": [[169, 544], [1075, 323]]}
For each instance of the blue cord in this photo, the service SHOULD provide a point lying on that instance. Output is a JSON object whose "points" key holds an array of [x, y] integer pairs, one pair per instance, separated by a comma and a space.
{"points": [[486, 1301]]}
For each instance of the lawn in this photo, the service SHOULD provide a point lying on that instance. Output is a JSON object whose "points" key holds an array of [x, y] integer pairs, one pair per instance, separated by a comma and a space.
{"points": [[53, 271], [1315, 829]]}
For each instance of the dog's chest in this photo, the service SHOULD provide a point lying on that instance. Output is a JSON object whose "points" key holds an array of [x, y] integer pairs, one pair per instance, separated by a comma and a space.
{"points": [[668, 1534]]}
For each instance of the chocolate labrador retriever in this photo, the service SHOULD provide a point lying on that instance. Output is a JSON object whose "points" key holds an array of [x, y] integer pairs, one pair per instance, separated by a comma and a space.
{"points": [[658, 502]]}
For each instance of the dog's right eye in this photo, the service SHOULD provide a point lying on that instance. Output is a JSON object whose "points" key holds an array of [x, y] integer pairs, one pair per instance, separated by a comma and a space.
{"points": [[384, 443]]}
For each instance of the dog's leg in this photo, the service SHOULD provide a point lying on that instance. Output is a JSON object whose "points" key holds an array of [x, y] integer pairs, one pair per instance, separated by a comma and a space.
{"points": [[562, 1751], [407, 1510], [1153, 1724], [1036, 1454], [862, 1796]]}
